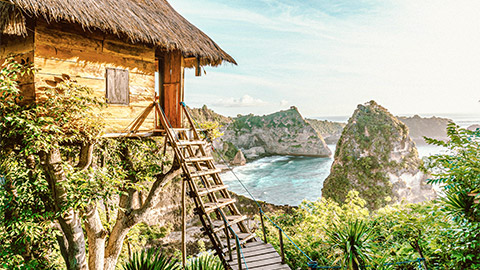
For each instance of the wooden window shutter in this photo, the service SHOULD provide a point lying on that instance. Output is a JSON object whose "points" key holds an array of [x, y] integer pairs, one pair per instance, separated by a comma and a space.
{"points": [[117, 86]]}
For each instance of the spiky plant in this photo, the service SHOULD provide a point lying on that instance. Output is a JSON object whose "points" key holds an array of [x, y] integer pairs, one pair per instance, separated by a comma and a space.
{"points": [[354, 242], [205, 261], [151, 260]]}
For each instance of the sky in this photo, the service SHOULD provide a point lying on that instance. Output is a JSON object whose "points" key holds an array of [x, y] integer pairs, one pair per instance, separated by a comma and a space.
{"points": [[327, 56]]}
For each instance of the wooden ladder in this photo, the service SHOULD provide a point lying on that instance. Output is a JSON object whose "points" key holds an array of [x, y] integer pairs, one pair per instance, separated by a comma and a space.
{"points": [[222, 221]]}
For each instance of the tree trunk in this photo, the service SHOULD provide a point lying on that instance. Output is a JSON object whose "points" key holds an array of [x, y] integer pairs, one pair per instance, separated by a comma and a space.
{"points": [[70, 221], [96, 239], [128, 218]]}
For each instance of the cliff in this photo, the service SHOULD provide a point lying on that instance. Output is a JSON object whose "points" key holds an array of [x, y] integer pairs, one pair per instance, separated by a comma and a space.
{"points": [[433, 127], [376, 157], [205, 114], [280, 133], [330, 131]]}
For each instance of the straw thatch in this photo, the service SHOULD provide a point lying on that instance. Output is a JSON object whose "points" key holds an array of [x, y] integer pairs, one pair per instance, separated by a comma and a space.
{"points": [[146, 21]]}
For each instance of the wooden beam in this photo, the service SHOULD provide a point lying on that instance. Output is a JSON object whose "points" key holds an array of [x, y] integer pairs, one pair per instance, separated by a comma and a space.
{"points": [[184, 223], [198, 68]]}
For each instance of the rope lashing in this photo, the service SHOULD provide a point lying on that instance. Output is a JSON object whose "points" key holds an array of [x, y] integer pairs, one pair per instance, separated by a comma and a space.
{"points": [[246, 189]]}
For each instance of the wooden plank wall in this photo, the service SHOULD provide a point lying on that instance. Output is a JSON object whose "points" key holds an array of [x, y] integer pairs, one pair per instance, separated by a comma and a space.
{"points": [[85, 55], [22, 48], [172, 91]]}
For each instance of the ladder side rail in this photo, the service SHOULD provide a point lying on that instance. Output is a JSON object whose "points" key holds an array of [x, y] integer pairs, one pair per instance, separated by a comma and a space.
{"points": [[213, 237], [204, 179], [190, 121], [225, 193]]}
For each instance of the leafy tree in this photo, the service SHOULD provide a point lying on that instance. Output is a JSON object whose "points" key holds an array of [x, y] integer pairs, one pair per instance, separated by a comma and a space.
{"points": [[62, 183], [458, 173]]}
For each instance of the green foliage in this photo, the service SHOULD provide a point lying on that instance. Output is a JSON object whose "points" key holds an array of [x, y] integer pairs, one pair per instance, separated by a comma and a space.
{"points": [[354, 241], [205, 261], [457, 172], [151, 260], [66, 113], [395, 233], [140, 236], [326, 127], [65, 117], [289, 118], [363, 156], [211, 129]]}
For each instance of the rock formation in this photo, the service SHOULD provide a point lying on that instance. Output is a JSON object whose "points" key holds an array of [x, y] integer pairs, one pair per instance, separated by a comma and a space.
{"points": [[239, 159], [280, 133], [419, 127], [376, 157], [330, 131]]}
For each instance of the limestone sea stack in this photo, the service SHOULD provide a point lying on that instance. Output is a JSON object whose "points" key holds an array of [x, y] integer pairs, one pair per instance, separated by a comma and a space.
{"points": [[281, 133], [376, 156]]}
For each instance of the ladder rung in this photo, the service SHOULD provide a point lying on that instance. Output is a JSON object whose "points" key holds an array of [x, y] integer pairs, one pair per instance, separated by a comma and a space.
{"points": [[197, 159], [215, 188], [232, 220], [186, 143], [212, 206], [206, 172]]}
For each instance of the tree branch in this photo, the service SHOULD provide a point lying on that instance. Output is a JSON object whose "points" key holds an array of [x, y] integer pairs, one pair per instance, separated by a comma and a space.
{"points": [[70, 221], [154, 194], [86, 156], [128, 218]]}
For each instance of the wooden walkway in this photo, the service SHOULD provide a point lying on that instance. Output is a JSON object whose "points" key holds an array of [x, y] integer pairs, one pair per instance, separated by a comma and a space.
{"points": [[258, 255]]}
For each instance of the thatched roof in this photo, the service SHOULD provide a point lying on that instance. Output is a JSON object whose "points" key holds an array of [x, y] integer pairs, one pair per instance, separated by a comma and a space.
{"points": [[146, 21]]}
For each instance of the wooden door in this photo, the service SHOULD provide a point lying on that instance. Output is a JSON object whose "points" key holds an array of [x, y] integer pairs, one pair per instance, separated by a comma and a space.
{"points": [[171, 86]]}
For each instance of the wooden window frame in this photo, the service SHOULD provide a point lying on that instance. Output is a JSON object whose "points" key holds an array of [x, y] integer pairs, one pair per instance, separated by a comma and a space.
{"points": [[108, 80]]}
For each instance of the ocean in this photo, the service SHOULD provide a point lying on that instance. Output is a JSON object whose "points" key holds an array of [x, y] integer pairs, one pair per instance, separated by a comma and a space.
{"points": [[289, 179]]}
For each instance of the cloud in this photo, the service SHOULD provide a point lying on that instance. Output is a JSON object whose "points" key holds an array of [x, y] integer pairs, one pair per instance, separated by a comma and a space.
{"points": [[244, 101], [283, 102], [328, 56]]}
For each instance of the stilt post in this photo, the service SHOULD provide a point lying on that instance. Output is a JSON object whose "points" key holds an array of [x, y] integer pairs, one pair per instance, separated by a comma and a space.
{"points": [[282, 252], [263, 227], [184, 224]]}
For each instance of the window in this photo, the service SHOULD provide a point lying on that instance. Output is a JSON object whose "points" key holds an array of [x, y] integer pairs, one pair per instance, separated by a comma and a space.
{"points": [[117, 86]]}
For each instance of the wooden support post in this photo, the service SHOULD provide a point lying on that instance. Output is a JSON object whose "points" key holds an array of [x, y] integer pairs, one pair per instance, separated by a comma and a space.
{"points": [[239, 254], [198, 68], [282, 252], [164, 153], [184, 224], [228, 240], [156, 126], [263, 227]]}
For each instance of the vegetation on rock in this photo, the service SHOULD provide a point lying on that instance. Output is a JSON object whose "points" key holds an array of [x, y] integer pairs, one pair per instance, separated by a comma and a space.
{"points": [[281, 133], [374, 146]]}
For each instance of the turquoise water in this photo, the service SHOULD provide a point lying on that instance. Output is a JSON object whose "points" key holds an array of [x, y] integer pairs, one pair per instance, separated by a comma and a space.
{"points": [[281, 179], [287, 179]]}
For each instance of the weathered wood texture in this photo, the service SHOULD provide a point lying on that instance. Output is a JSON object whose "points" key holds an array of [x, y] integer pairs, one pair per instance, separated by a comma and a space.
{"points": [[258, 255], [85, 55], [117, 86], [171, 90], [22, 48]]}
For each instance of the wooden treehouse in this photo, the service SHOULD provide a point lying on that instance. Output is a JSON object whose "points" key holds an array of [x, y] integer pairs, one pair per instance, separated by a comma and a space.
{"points": [[134, 53]]}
